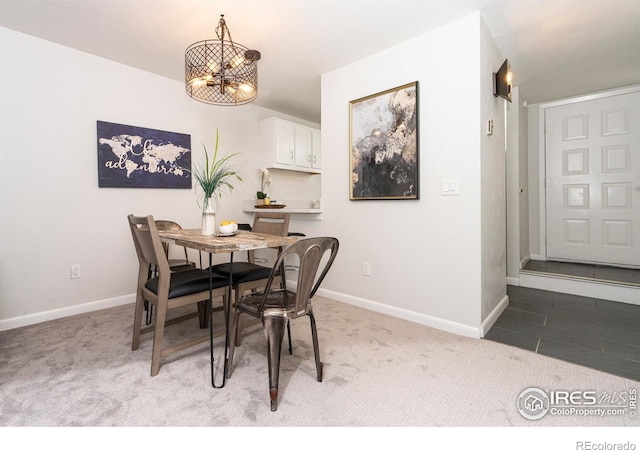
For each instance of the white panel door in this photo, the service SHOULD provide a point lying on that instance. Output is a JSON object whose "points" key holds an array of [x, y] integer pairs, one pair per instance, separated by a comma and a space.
{"points": [[593, 180]]}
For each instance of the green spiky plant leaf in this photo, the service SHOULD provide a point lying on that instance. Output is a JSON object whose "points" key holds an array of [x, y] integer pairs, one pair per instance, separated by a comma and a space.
{"points": [[216, 175]]}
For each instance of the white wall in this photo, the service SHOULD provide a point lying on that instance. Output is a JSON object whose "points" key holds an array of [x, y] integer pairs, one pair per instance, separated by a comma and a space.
{"points": [[52, 213], [535, 174], [513, 185], [493, 179], [517, 187], [425, 255], [523, 177]]}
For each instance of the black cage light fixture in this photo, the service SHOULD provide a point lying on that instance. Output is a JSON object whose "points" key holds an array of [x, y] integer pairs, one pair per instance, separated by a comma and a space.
{"points": [[221, 72]]}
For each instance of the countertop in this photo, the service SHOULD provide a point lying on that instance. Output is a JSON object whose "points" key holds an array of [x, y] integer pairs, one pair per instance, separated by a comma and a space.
{"points": [[286, 209], [248, 206]]}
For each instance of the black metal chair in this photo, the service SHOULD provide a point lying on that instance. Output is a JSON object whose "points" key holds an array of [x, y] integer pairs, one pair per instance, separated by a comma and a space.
{"points": [[275, 307], [167, 290]]}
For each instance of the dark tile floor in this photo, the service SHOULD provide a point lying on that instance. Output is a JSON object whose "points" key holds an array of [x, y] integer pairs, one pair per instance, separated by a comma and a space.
{"points": [[601, 334]]}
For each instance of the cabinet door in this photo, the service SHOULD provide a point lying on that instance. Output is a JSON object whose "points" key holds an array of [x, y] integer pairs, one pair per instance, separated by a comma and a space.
{"points": [[315, 147], [303, 146], [283, 142]]}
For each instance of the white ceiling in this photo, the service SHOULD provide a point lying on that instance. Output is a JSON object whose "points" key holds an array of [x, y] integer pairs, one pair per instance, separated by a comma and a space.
{"points": [[557, 48]]}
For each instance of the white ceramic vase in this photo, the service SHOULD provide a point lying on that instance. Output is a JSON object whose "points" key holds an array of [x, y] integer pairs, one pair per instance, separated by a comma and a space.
{"points": [[208, 218]]}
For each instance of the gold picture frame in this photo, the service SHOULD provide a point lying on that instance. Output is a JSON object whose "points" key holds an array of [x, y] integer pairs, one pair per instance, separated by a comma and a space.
{"points": [[383, 145]]}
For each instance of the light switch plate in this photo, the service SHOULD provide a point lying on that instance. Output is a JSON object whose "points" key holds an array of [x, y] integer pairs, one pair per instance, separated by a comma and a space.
{"points": [[450, 187]]}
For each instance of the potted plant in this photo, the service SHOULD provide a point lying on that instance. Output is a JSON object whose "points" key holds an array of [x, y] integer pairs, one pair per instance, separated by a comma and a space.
{"points": [[265, 181], [214, 177]]}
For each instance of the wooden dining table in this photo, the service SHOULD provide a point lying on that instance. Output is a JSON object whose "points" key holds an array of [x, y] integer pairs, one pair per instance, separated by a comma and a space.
{"points": [[215, 244]]}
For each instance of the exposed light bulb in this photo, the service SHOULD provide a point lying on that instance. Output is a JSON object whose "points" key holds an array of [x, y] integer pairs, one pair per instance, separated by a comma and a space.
{"points": [[247, 88], [213, 66], [236, 61]]}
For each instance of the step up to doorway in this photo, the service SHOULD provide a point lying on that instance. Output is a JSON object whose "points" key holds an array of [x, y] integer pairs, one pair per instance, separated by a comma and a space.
{"points": [[607, 283]]}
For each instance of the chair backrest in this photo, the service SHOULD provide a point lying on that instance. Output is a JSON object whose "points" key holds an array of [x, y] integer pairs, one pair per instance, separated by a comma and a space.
{"points": [[271, 223], [169, 225], [313, 253], [148, 245]]}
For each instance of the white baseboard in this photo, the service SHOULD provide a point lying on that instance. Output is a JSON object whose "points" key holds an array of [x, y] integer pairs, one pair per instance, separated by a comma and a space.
{"points": [[423, 319], [524, 261], [44, 316], [493, 316], [513, 281]]}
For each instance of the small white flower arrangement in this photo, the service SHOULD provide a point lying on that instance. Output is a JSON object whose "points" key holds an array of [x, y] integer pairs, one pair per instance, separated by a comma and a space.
{"points": [[265, 181]]}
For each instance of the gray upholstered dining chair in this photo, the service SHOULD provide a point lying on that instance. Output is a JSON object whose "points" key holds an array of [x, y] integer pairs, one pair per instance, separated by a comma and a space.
{"points": [[248, 275], [275, 307], [167, 290]]}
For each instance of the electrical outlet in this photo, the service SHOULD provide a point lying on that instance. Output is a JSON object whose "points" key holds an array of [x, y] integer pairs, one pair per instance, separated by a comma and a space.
{"points": [[366, 269], [75, 271]]}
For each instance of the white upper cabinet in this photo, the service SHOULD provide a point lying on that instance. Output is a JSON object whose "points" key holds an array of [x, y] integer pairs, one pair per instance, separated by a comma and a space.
{"points": [[315, 147], [280, 138], [290, 146], [302, 139]]}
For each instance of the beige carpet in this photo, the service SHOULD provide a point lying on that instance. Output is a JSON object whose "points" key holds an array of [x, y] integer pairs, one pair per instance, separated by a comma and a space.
{"points": [[378, 372]]}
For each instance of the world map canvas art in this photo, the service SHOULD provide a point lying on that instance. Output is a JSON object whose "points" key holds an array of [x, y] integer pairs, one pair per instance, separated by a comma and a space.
{"points": [[136, 157], [384, 145]]}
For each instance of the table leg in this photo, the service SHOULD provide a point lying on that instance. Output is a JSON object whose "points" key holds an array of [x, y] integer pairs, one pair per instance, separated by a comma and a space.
{"points": [[227, 310], [203, 314]]}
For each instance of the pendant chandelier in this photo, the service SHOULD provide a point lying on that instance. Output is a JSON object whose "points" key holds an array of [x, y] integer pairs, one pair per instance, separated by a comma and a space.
{"points": [[221, 72]]}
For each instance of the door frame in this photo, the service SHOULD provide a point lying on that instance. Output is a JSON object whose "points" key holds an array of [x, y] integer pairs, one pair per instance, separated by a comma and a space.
{"points": [[542, 151]]}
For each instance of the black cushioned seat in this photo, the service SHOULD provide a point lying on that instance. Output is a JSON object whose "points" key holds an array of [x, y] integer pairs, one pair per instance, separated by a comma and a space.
{"points": [[243, 272], [188, 282], [179, 289]]}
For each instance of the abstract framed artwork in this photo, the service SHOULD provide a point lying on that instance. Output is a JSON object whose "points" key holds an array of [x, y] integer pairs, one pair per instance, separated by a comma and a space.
{"points": [[383, 141], [136, 157]]}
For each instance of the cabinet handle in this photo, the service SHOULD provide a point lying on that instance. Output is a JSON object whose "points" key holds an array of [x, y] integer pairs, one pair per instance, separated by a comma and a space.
{"points": [[314, 159], [308, 158], [291, 155]]}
